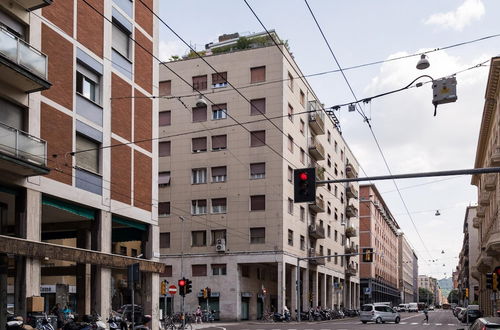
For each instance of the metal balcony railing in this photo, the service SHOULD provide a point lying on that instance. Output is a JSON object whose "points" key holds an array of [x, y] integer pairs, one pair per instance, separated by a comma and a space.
{"points": [[21, 53], [21, 145], [350, 232], [316, 119], [350, 171], [351, 211], [316, 231], [316, 149]]}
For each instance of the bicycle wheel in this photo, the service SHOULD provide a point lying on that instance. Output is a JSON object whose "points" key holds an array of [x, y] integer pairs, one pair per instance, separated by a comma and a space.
{"points": [[187, 326]]}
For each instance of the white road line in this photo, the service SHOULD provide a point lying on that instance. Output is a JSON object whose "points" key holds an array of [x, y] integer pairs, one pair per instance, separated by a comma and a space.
{"points": [[451, 324], [413, 323], [439, 323], [403, 322]]}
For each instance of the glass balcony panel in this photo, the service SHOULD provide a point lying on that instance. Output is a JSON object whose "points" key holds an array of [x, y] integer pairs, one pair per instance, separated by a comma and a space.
{"points": [[31, 59], [8, 45]]}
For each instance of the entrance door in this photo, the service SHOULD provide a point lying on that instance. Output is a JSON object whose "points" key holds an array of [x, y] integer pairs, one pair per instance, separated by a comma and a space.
{"points": [[245, 308], [260, 308]]}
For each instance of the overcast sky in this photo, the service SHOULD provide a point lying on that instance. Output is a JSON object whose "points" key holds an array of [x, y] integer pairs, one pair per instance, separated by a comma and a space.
{"points": [[412, 139]]}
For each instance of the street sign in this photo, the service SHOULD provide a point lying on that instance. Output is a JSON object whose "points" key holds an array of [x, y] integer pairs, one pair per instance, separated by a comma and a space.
{"points": [[172, 289]]}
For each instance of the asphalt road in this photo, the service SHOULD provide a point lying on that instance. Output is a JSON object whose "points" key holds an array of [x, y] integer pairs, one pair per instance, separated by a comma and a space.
{"points": [[438, 320]]}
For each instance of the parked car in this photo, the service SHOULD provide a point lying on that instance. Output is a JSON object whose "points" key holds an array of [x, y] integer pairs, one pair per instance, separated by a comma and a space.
{"points": [[474, 314], [378, 314], [456, 310], [431, 307], [412, 307], [486, 323]]}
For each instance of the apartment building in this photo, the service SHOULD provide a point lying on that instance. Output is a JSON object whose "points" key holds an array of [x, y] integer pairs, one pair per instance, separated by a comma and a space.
{"points": [[486, 220], [227, 216], [430, 284], [378, 230], [468, 276], [415, 276], [76, 192], [405, 270]]}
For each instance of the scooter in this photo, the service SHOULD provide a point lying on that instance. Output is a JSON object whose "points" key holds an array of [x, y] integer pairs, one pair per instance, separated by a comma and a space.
{"points": [[15, 323]]}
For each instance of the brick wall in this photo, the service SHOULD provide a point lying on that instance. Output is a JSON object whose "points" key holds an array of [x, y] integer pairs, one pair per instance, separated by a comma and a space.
{"points": [[121, 109], [142, 181], [61, 14], [90, 26], [143, 62], [121, 161], [143, 15], [143, 120]]}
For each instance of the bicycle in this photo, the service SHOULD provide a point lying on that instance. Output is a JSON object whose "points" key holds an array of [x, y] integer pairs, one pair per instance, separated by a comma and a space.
{"points": [[174, 322], [267, 317]]}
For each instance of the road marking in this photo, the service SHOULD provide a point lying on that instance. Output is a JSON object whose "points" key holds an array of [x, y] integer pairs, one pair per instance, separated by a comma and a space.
{"points": [[413, 323], [403, 322], [451, 324], [439, 323]]}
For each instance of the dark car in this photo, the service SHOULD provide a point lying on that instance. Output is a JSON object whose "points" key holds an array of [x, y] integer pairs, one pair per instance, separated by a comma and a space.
{"points": [[474, 314], [486, 323]]}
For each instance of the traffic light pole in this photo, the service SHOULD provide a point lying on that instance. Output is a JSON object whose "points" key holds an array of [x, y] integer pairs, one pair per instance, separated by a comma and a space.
{"points": [[318, 257]]}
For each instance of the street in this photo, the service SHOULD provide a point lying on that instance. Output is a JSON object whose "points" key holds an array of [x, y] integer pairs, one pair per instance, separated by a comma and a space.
{"points": [[442, 319]]}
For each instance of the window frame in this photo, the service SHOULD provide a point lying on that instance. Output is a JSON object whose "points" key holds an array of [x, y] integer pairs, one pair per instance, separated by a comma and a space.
{"points": [[196, 209], [96, 151], [261, 239], [196, 174], [195, 238]]}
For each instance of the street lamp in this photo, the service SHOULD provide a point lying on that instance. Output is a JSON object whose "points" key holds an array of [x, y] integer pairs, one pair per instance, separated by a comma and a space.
{"points": [[423, 63]]}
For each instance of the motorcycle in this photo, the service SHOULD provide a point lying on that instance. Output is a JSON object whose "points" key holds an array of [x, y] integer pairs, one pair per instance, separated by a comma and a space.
{"points": [[278, 317], [15, 323]]}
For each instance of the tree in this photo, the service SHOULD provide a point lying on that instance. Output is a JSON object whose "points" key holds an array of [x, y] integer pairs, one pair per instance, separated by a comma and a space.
{"points": [[453, 296], [425, 296]]}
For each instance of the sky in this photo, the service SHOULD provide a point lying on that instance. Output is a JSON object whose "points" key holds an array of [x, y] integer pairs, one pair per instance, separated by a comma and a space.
{"points": [[410, 137]]}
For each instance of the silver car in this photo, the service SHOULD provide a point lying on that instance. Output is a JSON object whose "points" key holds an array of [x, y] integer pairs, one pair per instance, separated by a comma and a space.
{"points": [[378, 314]]}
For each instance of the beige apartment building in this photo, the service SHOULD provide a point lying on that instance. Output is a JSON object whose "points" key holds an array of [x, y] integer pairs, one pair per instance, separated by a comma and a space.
{"points": [[227, 216], [405, 270], [468, 275], [429, 283], [488, 188], [378, 230]]}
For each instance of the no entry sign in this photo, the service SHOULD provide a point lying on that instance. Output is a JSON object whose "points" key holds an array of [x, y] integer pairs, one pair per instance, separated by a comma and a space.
{"points": [[172, 289]]}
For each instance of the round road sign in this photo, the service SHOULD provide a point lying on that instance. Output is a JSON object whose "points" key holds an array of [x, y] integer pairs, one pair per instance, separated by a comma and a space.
{"points": [[172, 289]]}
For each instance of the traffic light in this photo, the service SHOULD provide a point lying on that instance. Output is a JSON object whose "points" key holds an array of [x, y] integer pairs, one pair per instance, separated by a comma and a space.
{"points": [[204, 292], [489, 280], [367, 255], [304, 185], [182, 287], [163, 287], [466, 292], [497, 273], [494, 281], [189, 286], [209, 292]]}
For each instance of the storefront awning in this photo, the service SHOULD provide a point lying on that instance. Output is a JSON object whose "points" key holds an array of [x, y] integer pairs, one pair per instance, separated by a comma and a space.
{"points": [[69, 207]]}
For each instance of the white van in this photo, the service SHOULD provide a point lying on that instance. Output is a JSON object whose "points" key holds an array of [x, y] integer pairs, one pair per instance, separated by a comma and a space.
{"points": [[412, 307], [403, 307]]}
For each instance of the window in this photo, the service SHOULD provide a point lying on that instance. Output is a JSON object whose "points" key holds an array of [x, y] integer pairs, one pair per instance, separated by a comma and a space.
{"points": [[329, 252], [290, 205], [164, 179], [219, 269], [341, 197], [123, 250], [199, 270], [164, 149], [257, 138], [335, 235], [335, 192], [290, 81], [164, 240], [199, 206], [219, 205], [200, 83], [302, 214], [219, 142], [245, 271], [302, 156], [258, 203], [329, 161], [329, 136], [302, 243], [88, 159], [321, 250], [290, 237], [133, 253], [336, 258], [257, 74], [219, 79], [120, 39], [290, 143], [165, 118], [165, 88], [218, 234], [290, 174], [199, 144], [257, 171], [198, 238], [198, 175], [219, 111], [167, 272], [219, 174], [342, 239], [257, 107], [290, 112], [302, 98], [302, 127], [329, 231], [163, 209], [258, 235], [12, 115], [336, 146], [199, 114], [88, 83], [341, 261]]}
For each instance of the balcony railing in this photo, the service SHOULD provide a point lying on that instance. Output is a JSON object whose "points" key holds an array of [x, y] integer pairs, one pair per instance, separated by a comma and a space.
{"points": [[351, 271], [22, 153], [350, 171], [350, 249], [316, 149], [351, 211], [32, 63], [350, 232], [317, 121], [490, 181], [318, 206], [319, 261], [351, 192], [316, 231]]}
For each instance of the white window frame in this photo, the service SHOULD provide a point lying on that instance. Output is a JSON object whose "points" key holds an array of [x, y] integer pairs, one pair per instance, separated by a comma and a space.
{"points": [[220, 208], [196, 209], [219, 114], [198, 175]]}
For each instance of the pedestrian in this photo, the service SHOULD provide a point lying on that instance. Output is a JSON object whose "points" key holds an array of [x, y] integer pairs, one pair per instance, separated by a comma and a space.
{"points": [[426, 313], [57, 311], [198, 315]]}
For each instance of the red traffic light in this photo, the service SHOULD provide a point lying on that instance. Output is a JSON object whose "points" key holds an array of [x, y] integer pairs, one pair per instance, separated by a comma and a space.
{"points": [[182, 283], [497, 271], [303, 176]]}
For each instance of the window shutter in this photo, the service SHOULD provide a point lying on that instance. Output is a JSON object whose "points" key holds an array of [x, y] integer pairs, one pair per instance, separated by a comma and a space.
{"points": [[257, 107], [165, 118], [258, 138], [88, 160], [165, 88], [220, 170], [200, 144], [219, 142], [164, 240], [219, 78], [219, 202], [199, 114], [164, 178], [164, 208], [199, 270], [258, 74], [257, 168], [200, 82], [164, 149], [222, 106], [258, 203]]}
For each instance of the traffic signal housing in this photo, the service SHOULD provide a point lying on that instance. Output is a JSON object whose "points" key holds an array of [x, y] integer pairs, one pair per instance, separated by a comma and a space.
{"points": [[304, 185], [182, 287], [189, 286], [489, 280], [466, 292], [163, 287], [367, 255]]}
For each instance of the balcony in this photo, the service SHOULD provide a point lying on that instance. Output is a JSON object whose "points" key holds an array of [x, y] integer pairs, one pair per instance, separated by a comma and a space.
{"points": [[318, 206], [350, 249], [490, 181], [351, 192], [34, 4], [316, 231], [320, 173], [492, 246], [317, 122], [319, 261], [495, 156], [350, 171], [475, 222], [21, 65], [351, 211], [484, 198], [316, 149], [21, 153], [350, 232], [480, 211], [351, 271]]}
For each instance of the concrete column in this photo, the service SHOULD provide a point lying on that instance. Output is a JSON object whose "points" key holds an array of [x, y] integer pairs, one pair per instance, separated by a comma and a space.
{"points": [[324, 292], [293, 286], [237, 294], [4, 269], [83, 275], [151, 291], [305, 289], [315, 288], [329, 291], [281, 288], [102, 282]]}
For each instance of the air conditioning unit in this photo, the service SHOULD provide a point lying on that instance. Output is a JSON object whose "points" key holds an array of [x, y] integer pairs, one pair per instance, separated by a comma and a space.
{"points": [[220, 245]]}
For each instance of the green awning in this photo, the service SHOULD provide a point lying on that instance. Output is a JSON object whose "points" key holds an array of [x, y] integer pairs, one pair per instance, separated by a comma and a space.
{"points": [[72, 208], [129, 223]]}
